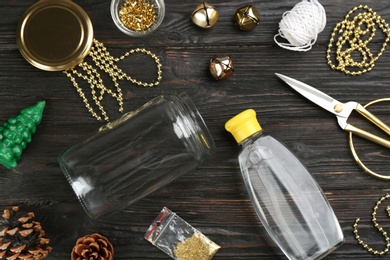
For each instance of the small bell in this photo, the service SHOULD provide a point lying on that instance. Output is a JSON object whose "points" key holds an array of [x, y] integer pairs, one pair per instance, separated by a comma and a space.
{"points": [[247, 17], [221, 68], [205, 15]]}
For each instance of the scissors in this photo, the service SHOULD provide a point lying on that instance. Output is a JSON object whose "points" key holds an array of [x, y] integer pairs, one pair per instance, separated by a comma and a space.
{"points": [[341, 110]]}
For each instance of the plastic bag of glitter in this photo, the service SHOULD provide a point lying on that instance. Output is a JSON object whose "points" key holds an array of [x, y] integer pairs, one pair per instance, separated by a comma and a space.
{"points": [[178, 239]]}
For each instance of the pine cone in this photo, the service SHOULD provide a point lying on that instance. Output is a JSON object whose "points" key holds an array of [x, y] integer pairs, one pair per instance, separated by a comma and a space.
{"points": [[22, 238], [92, 247]]}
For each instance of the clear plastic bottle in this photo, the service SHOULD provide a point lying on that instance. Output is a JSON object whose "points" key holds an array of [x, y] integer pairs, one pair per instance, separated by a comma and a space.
{"points": [[288, 201]]}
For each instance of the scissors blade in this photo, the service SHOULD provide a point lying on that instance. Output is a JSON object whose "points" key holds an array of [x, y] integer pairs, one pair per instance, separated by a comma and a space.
{"points": [[314, 95]]}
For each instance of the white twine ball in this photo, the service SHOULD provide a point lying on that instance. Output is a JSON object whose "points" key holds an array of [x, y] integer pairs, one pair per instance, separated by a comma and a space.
{"points": [[301, 26]]}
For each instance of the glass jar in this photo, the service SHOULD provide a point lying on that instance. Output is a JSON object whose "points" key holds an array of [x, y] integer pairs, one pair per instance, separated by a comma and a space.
{"points": [[145, 17], [129, 158]]}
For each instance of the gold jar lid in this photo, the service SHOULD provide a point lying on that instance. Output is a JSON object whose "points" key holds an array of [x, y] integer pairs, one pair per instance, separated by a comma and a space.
{"points": [[54, 35]]}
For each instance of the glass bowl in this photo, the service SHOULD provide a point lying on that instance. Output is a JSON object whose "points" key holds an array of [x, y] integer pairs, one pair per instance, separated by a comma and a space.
{"points": [[159, 8]]}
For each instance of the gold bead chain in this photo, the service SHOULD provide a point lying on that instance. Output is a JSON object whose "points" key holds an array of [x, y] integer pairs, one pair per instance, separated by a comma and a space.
{"points": [[354, 34], [104, 61], [377, 226]]}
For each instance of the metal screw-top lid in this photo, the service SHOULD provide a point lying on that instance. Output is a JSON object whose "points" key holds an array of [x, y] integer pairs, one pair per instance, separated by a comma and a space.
{"points": [[54, 35]]}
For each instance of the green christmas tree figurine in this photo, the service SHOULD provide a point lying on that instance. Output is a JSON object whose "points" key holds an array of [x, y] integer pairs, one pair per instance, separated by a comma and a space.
{"points": [[16, 133]]}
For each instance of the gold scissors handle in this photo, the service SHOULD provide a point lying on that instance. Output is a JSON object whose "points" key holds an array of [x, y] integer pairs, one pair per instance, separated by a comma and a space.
{"points": [[354, 153], [347, 108]]}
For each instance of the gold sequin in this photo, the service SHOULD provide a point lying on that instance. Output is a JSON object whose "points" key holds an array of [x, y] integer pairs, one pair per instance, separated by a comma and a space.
{"points": [[137, 15]]}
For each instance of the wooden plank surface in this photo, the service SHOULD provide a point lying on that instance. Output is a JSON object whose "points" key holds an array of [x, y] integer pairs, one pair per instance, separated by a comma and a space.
{"points": [[213, 198]]}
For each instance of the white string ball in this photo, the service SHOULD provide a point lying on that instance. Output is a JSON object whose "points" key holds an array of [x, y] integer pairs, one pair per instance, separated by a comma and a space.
{"points": [[301, 26]]}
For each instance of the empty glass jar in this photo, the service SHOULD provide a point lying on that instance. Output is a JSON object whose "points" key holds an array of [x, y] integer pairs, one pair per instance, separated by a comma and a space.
{"points": [[135, 155]]}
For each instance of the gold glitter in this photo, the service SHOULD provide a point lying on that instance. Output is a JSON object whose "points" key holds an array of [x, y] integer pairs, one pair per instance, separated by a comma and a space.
{"points": [[197, 247], [137, 15]]}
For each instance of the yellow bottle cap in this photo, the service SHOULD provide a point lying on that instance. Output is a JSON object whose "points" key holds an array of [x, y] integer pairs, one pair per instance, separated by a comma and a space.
{"points": [[243, 125]]}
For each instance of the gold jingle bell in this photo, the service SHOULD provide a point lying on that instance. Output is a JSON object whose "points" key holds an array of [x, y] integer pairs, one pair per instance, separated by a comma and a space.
{"points": [[247, 17], [221, 68], [205, 15]]}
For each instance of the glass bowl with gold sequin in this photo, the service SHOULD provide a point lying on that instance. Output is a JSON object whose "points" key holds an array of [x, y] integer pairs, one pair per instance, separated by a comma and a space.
{"points": [[137, 17]]}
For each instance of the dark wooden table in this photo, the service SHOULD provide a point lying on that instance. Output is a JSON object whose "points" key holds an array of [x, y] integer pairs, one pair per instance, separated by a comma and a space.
{"points": [[212, 199]]}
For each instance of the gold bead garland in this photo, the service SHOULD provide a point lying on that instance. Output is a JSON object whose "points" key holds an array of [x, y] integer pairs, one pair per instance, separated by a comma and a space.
{"points": [[106, 63], [353, 36], [377, 226]]}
